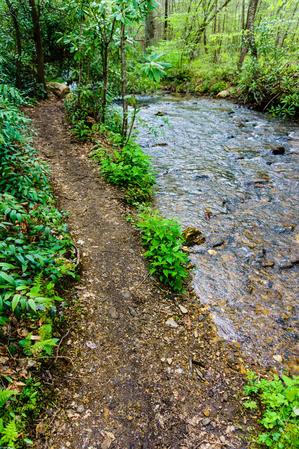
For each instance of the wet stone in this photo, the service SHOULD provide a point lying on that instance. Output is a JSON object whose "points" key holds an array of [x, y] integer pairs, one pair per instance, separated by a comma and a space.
{"points": [[193, 236], [285, 264], [278, 150], [268, 263]]}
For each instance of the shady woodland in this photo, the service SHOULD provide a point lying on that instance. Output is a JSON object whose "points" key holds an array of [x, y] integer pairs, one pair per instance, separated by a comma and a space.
{"points": [[149, 235]]}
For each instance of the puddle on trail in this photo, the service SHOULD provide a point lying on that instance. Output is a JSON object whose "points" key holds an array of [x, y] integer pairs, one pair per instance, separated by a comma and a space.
{"points": [[216, 171]]}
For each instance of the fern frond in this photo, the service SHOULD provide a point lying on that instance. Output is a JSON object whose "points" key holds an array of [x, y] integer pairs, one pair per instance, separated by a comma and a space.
{"points": [[10, 434], [5, 395]]}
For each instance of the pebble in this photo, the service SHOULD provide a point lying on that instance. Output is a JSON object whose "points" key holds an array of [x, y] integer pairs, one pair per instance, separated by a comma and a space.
{"points": [[212, 252], [91, 345], [206, 421], [277, 357], [127, 295], [132, 311], [171, 323], [183, 309], [268, 263], [113, 313]]}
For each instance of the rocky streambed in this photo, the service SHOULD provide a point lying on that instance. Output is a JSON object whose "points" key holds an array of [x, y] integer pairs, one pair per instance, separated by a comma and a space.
{"points": [[233, 173]]}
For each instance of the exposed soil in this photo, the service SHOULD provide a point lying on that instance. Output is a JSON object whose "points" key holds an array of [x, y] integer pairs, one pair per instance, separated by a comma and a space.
{"points": [[128, 379]]}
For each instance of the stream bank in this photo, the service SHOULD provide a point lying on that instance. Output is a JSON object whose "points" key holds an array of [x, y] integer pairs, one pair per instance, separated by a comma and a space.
{"points": [[137, 372]]}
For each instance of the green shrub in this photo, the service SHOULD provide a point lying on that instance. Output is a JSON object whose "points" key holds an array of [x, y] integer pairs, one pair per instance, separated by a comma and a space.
{"points": [[278, 402], [270, 84], [163, 241], [129, 168]]}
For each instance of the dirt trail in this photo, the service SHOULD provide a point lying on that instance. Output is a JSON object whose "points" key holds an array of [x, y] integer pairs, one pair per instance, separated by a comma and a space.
{"points": [[134, 381]]}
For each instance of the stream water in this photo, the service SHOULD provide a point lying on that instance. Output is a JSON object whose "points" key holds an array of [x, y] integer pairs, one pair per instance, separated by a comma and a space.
{"points": [[216, 171]]}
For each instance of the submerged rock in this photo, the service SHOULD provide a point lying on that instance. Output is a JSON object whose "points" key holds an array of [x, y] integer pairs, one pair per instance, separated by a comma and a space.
{"points": [[193, 236], [268, 263]]}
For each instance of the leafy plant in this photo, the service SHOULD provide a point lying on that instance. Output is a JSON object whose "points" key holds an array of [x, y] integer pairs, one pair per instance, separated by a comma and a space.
{"points": [[277, 400], [128, 168], [163, 241], [35, 253], [43, 343], [153, 68]]}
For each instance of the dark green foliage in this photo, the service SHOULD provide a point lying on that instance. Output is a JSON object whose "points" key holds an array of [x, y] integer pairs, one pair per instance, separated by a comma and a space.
{"points": [[270, 84], [278, 402], [163, 241], [35, 253]]}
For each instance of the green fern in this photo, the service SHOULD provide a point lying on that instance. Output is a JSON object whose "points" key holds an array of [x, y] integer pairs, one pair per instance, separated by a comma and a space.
{"points": [[9, 434], [5, 395], [37, 285]]}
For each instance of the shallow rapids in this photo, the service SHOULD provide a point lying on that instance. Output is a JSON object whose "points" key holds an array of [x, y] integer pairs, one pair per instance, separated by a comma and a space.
{"points": [[218, 170]]}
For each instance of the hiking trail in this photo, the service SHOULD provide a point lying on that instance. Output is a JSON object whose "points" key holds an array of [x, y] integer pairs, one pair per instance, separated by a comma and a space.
{"points": [[126, 379]]}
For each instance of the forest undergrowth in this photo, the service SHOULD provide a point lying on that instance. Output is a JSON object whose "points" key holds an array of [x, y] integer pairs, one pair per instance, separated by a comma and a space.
{"points": [[107, 52]]}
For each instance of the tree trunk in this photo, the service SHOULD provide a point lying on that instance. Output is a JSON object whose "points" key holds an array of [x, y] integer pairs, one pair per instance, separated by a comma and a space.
{"points": [[149, 29], [14, 19], [165, 19], [124, 80], [248, 41], [243, 15], [215, 56], [40, 67], [105, 82]]}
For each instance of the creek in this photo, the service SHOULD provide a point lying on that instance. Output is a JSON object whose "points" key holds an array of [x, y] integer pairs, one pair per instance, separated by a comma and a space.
{"points": [[233, 173]]}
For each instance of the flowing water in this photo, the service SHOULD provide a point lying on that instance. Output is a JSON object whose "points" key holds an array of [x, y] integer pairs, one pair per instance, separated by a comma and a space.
{"points": [[216, 171]]}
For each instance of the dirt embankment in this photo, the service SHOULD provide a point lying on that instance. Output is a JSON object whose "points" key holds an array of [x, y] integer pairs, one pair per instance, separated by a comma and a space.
{"points": [[140, 371]]}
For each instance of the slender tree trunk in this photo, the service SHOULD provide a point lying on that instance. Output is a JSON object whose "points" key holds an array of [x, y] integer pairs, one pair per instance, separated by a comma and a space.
{"points": [[248, 41], [215, 57], [124, 80], [243, 15], [149, 31], [165, 19], [205, 41], [281, 38], [221, 32], [14, 19], [40, 67], [105, 82]]}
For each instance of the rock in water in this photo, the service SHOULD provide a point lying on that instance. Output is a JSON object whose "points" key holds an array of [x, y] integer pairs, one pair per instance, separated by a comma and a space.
{"points": [[278, 150], [58, 89], [193, 236]]}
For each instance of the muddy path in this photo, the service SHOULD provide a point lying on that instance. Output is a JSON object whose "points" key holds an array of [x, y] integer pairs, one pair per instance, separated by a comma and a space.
{"points": [[129, 379]]}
